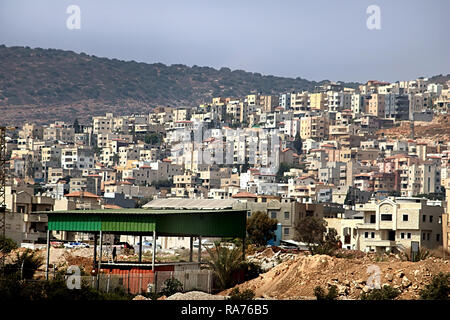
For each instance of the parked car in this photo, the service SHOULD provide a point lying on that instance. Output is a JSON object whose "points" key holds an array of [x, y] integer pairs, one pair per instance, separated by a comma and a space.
{"points": [[73, 245]]}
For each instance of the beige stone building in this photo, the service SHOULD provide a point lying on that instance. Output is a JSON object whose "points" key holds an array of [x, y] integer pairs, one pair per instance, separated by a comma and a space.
{"points": [[392, 224]]}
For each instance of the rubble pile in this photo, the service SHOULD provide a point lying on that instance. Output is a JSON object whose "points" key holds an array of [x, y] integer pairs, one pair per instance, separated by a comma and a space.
{"points": [[268, 259], [195, 295], [296, 278]]}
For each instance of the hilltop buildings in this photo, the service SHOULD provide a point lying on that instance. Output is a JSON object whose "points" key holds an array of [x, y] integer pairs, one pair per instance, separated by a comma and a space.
{"points": [[293, 154]]}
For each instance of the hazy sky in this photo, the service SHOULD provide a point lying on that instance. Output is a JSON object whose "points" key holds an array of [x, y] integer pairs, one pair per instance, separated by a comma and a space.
{"points": [[315, 40]]}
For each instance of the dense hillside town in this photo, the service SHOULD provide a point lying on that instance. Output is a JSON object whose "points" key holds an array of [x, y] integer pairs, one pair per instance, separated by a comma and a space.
{"points": [[322, 153]]}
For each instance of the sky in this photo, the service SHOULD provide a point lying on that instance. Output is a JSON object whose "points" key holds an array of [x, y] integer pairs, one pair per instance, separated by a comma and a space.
{"points": [[315, 40]]}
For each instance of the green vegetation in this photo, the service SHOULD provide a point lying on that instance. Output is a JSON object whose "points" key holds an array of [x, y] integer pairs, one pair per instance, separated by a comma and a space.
{"points": [[438, 289], [7, 245], [25, 265], [247, 294], [261, 228], [313, 231], [298, 144], [224, 262], [320, 294], [152, 138], [12, 289], [162, 184], [385, 293], [171, 286], [65, 77]]}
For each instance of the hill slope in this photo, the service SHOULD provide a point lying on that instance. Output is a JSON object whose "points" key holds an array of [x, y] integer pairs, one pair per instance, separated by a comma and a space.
{"points": [[36, 78]]}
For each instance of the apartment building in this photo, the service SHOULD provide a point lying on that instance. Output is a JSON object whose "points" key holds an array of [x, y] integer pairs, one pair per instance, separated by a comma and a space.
{"points": [[317, 101], [314, 127], [299, 101], [394, 223], [59, 131], [22, 223], [375, 105], [446, 219], [77, 158]]}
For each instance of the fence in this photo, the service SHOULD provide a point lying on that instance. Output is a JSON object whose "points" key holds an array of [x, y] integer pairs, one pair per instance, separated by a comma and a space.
{"points": [[136, 283]]}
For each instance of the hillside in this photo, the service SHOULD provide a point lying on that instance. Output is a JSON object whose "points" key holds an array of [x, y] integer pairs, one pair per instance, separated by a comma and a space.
{"points": [[50, 84]]}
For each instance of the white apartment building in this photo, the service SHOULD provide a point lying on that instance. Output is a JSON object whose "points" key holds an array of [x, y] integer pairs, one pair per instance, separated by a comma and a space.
{"points": [[394, 223], [77, 158]]}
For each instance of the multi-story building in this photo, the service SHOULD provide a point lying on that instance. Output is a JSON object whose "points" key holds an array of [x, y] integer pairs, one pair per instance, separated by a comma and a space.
{"points": [[77, 158], [314, 127], [393, 223], [375, 105], [317, 101]]}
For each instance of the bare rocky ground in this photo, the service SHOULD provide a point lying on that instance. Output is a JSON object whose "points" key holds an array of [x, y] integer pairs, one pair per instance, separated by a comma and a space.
{"points": [[295, 275], [299, 274]]}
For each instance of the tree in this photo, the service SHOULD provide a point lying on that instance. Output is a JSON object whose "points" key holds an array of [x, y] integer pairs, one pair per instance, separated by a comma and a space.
{"points": [[310, 230], [151, 138], [224, 262], [298, 144], [261, 228], [77, 126], [284, 167]]}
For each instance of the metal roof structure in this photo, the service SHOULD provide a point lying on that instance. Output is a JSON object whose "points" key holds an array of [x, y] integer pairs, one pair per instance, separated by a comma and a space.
{"points": [[165, 222], [198, 204]]}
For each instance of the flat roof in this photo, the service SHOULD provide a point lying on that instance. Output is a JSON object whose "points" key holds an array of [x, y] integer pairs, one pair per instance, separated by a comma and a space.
{"points": [[191, 204]]}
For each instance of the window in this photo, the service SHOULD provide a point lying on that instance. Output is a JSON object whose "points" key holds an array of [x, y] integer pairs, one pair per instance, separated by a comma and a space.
{"points": [[386, 217], [431, 219], [423, 236], [273, 214], [286, 230], [438, 237], [372, 235], [366, 234], [286, 215], [405, 217], [428, 236], [402, 235], [409, 235], [424, 217]]}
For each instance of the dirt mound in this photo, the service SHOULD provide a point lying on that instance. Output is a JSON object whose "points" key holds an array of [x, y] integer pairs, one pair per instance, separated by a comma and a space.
{"points": [[436, 130], [297, 278], [195, 295]]}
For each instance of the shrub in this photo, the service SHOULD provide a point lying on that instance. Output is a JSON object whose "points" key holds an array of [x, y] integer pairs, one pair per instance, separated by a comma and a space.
{"points": [[421, 254], [7, 245], [438, 289], [171, 286], [332, 294], [247, 294], [25, 265], [251, 270], [385, 293]]}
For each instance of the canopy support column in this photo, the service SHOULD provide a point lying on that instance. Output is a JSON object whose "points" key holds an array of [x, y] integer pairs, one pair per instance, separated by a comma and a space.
{"points": [[95, 248], [154, 250], [48, 255], [191, 248], [199, 249], [100, 259], [140, 249]]}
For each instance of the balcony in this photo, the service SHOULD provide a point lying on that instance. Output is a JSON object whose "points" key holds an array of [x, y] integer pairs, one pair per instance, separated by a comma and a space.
{"points": [[380, 243], [35, 217]]}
